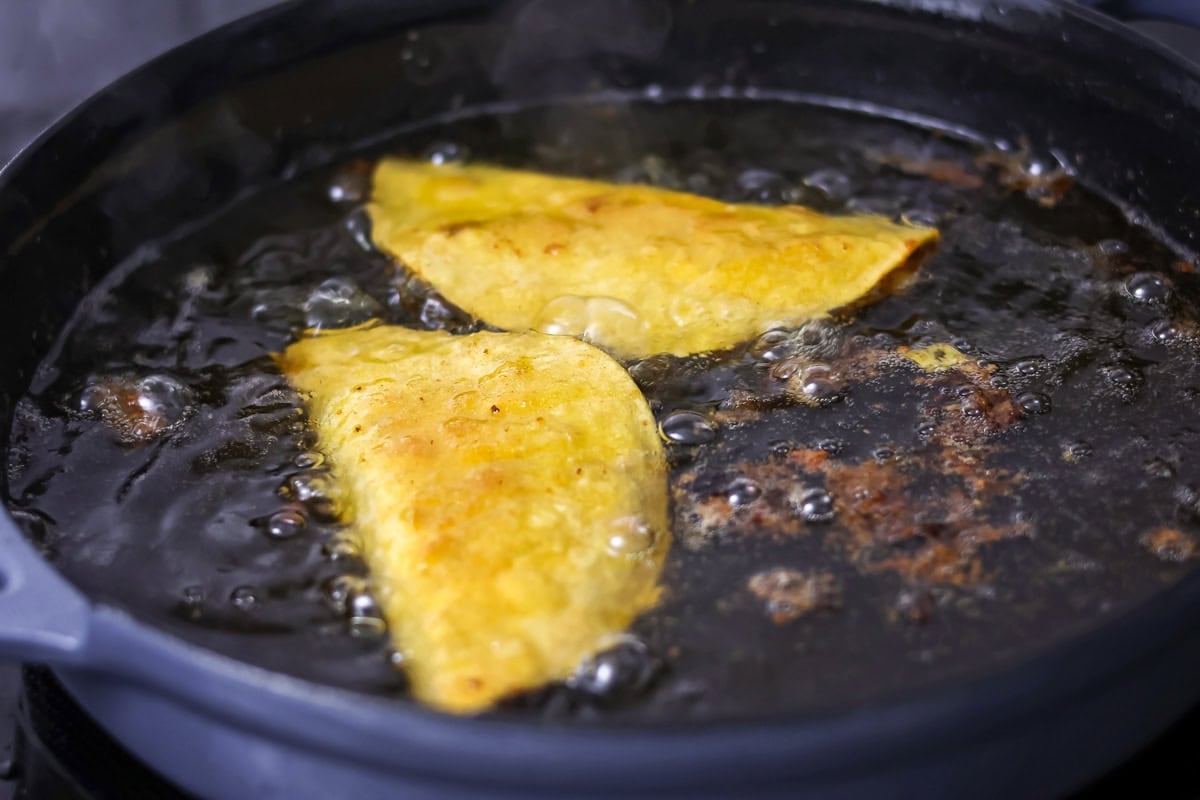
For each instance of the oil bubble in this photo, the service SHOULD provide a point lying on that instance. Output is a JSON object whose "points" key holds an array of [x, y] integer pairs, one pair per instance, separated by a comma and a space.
{"points": [[309, 460], [138, 409], [341, 547], [1159, 468], [600, 320], [920, 217], [1163, 330], [1078, 451], [742, 491], [1112, 247], [1148, 287], [164, 396], [973, 404], [338, 303], [816, 384], [1033, 403], [341, 590], [1124, 379], [688, 427], [350, 184], [244, 598], [358, 225], [785, 369], [650, 370], [831, 183], [437, 314], [831, 446], [815, 505], [620, 671], [812, 341], [362, 604], [367, 627], [632, 536], [767, 187], [440, 153], [1188, 499], [773, 345], [305, 487], [1026, 367], [1122, 376], [652, 170], [286, 523], [279, 308], [306, 439]]}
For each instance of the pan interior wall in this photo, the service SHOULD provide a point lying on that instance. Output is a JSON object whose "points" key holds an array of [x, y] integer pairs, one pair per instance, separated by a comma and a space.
{"points": [[1082, 319]]}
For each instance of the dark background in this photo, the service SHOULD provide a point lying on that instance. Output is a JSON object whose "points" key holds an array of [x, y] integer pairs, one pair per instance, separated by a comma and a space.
{"points": [[54, 53]]}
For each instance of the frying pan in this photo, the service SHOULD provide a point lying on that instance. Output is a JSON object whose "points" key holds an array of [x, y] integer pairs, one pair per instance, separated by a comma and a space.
{"points": [[292, 88]]}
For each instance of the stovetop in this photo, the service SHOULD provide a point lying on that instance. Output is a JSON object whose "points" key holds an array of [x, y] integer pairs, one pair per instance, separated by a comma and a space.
{"points": [[54, 55]]}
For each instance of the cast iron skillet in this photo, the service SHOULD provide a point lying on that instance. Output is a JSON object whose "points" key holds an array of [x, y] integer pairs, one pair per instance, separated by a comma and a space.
{"points": [[291, 88]]}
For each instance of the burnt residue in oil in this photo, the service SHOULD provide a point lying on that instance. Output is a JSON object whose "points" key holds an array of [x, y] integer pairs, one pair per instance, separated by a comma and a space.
{"points": [[848, 524]]}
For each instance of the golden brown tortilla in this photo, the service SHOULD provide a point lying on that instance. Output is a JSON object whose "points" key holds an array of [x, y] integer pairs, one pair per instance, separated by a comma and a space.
{"points": [[634, 269], [508, 490]]}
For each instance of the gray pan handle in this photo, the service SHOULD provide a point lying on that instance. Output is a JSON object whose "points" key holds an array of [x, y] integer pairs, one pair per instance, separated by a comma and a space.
{"points": [[43, 618], [1185, 12]]}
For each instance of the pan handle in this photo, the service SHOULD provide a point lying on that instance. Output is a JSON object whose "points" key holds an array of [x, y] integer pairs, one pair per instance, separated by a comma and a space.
{"points": [[1184, 12], [43, 618]]}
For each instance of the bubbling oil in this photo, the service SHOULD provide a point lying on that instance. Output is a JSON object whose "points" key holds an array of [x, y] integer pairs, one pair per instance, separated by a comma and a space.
{"points": [[846, 526]]}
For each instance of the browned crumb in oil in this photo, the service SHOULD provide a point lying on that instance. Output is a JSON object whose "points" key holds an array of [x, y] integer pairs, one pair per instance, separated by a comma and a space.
{"points": [[924, 515], [1169, 544], [941, 170], [1013, 171], [879, 509], [704, 519], [884, 522], [964, 406], [789, 594], [120, 407], [914, 606]]}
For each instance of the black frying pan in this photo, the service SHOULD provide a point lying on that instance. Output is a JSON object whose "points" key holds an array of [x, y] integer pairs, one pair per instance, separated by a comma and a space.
{"points": [[185, 135]]}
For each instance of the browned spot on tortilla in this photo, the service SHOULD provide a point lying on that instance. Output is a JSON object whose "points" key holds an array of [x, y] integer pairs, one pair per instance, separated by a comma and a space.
{"points": [[455, 228], [789, 594], [1169, 544]]}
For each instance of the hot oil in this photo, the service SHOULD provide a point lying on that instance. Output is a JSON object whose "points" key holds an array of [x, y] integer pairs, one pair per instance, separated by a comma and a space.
{"points": [[846, 525]]}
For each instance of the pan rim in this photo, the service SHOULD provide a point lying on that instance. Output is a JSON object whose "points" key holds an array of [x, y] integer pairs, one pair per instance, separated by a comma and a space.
{"points": [[113, 628]]}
